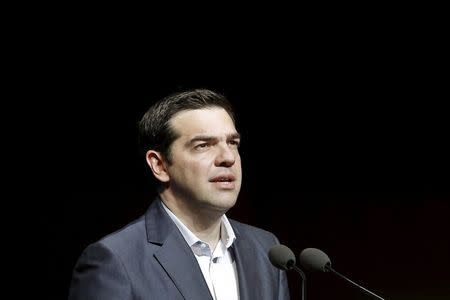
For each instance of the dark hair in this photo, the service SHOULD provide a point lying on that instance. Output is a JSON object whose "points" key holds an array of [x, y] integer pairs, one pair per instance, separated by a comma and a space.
{"points": [[154, 128]]}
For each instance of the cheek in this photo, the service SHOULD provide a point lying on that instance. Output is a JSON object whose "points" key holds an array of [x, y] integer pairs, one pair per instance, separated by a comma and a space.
{"points": [[238, 162], [198, 167]]}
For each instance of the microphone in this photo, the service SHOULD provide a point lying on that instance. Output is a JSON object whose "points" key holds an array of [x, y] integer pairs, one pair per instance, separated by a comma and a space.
{"points": [[314, 259], [283, 258]]}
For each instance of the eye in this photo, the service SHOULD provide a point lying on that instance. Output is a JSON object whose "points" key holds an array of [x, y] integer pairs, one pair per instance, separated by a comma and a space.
{"points": [[235, 143], [201, 146]]}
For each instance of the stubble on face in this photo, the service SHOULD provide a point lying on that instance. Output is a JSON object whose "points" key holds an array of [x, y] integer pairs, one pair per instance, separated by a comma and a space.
{"points": [[205, 173]]}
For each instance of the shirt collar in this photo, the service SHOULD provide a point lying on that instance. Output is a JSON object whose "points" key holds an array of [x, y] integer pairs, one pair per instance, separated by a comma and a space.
{"points": [[227, 235]]}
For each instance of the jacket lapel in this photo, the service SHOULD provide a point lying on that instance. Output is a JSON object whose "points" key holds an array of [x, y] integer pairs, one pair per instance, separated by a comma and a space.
{"points": [[175, 256], [247, 268]]}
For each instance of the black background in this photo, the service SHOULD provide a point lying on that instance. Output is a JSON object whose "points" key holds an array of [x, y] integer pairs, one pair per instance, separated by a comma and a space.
{"points": [[344, 144]]}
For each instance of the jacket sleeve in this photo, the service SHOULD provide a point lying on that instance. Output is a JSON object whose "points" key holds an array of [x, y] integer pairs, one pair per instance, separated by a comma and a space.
{"points": [[283, 291], [99, 274], [283, 287]]}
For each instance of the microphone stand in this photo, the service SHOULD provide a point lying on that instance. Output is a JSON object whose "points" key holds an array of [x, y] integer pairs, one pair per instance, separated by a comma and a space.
{"points": [[302, 275], [329, 268]]}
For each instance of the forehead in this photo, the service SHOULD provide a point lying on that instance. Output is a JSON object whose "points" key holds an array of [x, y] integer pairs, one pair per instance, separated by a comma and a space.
{"points": [[213, 120]]}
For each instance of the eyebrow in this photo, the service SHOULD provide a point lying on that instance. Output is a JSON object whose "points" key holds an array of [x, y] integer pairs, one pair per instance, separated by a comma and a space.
{"points": [[206, 138]]}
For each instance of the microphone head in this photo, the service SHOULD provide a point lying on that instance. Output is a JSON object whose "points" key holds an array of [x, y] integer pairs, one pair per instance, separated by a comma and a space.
{"points": [[282, 257], [314, 259]]}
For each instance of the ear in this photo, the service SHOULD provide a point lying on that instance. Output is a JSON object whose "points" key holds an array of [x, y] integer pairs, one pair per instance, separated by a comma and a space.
{"points": [[156, 163]]}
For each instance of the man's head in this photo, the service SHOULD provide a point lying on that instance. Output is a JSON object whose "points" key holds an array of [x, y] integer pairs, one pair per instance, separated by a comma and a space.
{"points": [[191, 145], [155, 131]]}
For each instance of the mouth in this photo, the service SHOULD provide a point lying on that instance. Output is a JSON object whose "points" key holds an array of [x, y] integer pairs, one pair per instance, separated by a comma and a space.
{"points": [[224, 182], [223, 178]]}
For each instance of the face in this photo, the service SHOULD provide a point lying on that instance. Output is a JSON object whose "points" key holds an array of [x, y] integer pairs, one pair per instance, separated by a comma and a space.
{"points": [[205, 171]]}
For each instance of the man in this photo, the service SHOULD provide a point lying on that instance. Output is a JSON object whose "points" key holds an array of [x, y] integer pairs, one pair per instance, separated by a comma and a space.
{"points": [[184, 247]]}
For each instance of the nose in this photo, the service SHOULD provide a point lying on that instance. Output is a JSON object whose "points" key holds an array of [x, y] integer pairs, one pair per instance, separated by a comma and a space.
{"points": [[226, 156]]}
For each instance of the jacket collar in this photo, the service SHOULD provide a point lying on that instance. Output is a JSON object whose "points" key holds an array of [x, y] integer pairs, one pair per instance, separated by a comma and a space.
{"points": [[174, 255], [177, 259]]}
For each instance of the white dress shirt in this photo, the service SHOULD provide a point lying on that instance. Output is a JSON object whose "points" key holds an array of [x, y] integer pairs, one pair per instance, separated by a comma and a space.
{"points": [[217, 265]]}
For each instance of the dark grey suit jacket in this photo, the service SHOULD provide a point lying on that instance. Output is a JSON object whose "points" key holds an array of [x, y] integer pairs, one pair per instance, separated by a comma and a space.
{"points": [[149, 259]]}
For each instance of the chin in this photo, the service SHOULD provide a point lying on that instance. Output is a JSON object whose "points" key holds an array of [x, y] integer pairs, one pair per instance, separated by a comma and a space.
{"points": [[223, 204]]}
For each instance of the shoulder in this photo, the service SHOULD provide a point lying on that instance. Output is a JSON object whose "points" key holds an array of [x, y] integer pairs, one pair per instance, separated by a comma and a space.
{"points": [[105, 267], [125, 238], [115, 251]]}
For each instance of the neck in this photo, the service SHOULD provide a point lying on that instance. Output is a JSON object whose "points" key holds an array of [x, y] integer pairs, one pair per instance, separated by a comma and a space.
{"points": [[204, 224]]}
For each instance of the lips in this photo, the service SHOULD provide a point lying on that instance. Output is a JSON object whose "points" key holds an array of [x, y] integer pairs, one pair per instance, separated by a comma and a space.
{"points": [[224, 182], [223, 178]]}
